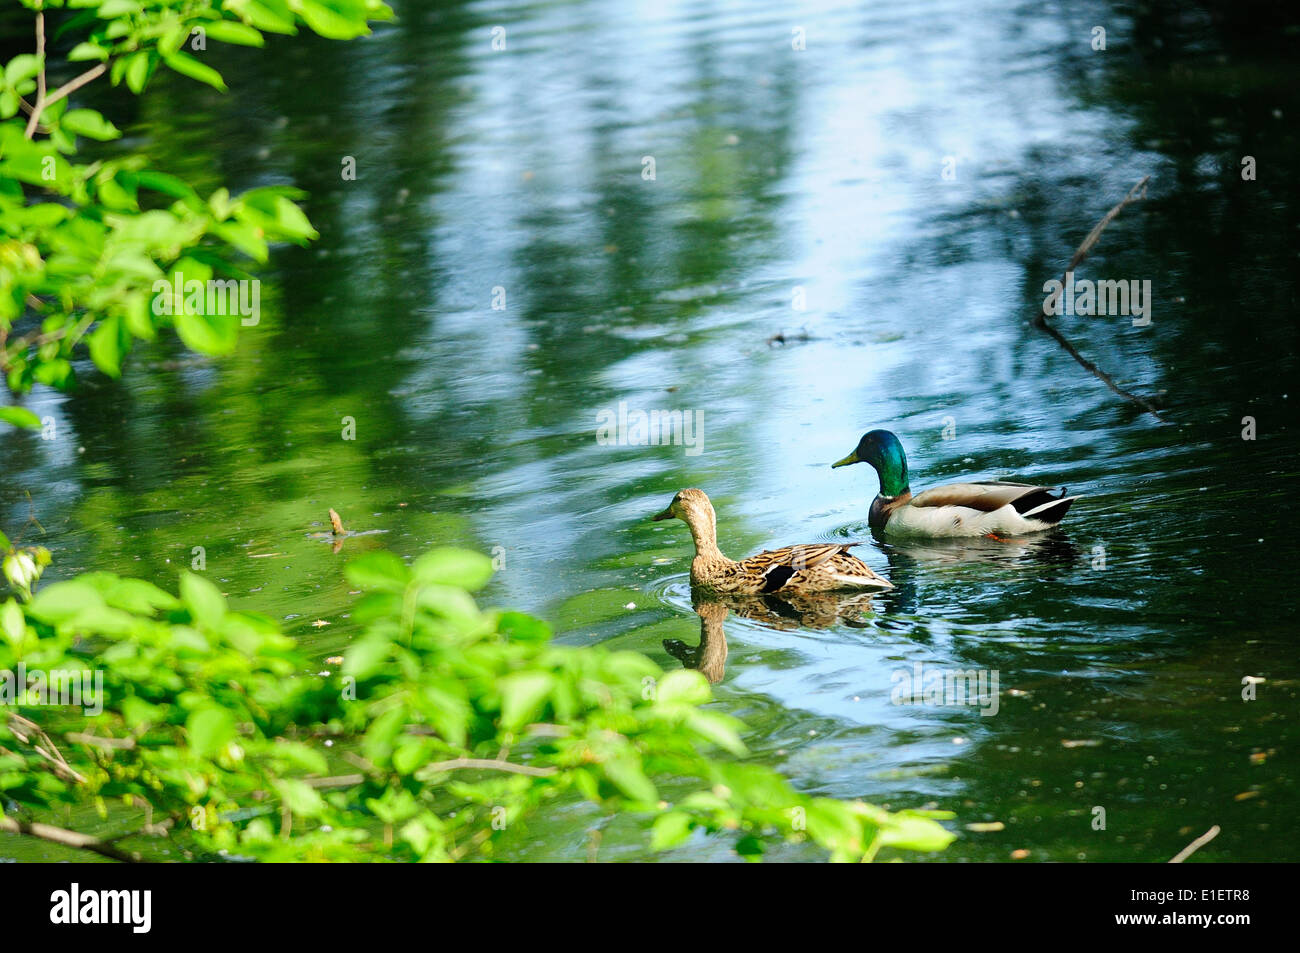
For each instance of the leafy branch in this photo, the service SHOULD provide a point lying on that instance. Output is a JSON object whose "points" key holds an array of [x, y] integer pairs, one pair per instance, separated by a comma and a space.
{"points": [[466, 724], [88, 249]]}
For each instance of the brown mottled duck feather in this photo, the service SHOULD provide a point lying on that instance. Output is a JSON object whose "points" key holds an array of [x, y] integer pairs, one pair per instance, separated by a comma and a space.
{"points": [[812, 567]]}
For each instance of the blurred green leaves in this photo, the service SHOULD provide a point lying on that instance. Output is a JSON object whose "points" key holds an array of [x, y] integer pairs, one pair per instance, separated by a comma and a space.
{"points": [[82, 243], [437, 737]]}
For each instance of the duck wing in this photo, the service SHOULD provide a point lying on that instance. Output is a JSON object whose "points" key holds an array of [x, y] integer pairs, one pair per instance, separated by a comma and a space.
{"points": [[990, 496], [776, 566]]}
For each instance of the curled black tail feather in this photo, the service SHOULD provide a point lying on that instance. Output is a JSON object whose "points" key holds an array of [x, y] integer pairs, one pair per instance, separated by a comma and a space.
{"points": [[1039, 497], [1055, 513]]}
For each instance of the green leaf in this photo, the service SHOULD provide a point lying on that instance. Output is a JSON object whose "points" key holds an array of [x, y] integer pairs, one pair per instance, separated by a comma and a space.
{"points": [[65, 601], [833, 824], [628, 776], [164, 183], [365, 657], [383, 732], [12, 624], [718, 728], [273, 16], [301, 756], [209, 729], [378, 570], [171, 39], [685, 686], [670, 830], [271, 209], [111, 9], [329, 23], [138, 596], [301, 797], [520, 627], [522, 696], [23, 67], [213, 334], [87, 51], [449, 602], [20, 417], [187, 65], [137, 71], [247, 238], [56, 373], [410, 753], [232, 31], [106, 344], [204, 600], [89, 123], [907, 831], [453, 567]]}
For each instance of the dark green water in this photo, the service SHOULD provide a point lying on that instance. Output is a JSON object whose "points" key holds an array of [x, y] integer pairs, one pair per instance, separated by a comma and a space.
{"points": [[776, 170]]}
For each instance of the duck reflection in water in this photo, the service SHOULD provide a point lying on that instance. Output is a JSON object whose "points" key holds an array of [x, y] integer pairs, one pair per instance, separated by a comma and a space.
{"points": [[912, 562], [809, 610]]}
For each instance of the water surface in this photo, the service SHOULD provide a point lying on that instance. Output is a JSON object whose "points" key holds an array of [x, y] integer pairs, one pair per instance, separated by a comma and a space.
{"points": [[782, 178]]}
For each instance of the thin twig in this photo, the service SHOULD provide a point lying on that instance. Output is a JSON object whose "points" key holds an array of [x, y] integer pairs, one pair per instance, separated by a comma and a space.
{"points": [[337, 781], [95, 741], [74, 84], [43, 101], [61, 835], [40, 77], [24, 730], [1195, 845], [1039, 320], [40, 53], [475, 841], [488, 764]]}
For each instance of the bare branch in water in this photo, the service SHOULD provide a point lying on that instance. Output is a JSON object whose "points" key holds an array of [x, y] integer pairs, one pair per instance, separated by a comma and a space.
{"points": [[1039, 320]]}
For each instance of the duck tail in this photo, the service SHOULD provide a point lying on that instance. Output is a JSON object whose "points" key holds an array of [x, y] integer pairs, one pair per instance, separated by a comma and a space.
{"points": [[1051, 512]]}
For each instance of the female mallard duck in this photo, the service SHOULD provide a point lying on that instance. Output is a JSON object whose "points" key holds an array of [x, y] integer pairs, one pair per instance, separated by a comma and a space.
{"points": [[816, 567], [954, 509]]}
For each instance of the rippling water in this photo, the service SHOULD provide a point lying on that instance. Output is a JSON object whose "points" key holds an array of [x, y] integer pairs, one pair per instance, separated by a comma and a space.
{"points": [[800, 194]]}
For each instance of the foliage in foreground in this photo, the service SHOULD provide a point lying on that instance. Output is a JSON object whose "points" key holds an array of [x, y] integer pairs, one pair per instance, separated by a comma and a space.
{"points": [[446, 727]]}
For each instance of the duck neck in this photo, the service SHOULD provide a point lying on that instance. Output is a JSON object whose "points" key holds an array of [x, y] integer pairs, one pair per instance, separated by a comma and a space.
{"points": [[892, 470], [882, 508], [704, 530]]}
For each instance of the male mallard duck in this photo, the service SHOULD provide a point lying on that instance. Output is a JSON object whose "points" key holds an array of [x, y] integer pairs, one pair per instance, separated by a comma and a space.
{"points": [[816, 567], [954, 509]]}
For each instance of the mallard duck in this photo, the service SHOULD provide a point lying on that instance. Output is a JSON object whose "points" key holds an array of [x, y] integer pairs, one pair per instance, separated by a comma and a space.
{"points": [[816, 567], [995, 508]]}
